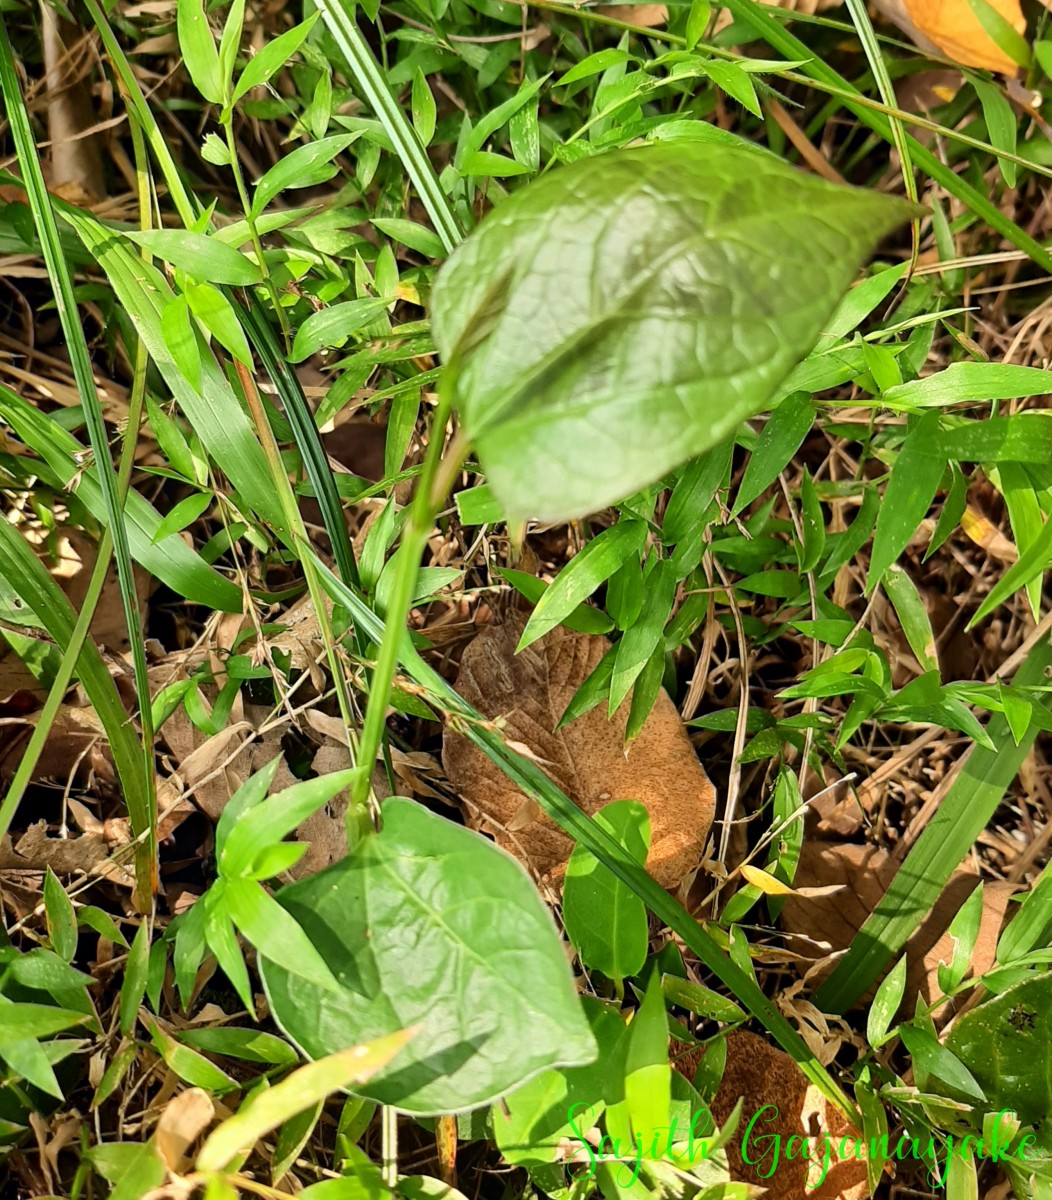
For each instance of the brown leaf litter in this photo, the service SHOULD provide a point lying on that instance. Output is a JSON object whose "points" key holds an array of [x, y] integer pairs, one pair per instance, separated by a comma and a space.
{"points": [[529, 692], [772, 1085], [822, 926]]}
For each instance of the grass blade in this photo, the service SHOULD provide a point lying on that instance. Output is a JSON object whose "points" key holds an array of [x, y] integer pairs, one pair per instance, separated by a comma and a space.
{"points": [[338, 15], [141, 801]]}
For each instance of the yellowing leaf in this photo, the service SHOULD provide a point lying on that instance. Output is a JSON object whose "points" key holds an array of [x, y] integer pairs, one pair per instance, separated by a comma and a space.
{"points": [[766, 883], [953, 29], [269, 1109]]}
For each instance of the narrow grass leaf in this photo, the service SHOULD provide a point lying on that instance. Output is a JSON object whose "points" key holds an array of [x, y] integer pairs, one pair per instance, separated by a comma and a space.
{"points": [[912, 615], [274, 55], [969, 382], [61, 919], [198, 49], [339, 16], [305, 1087], [780, 438], [198, 255], [911, 488]]}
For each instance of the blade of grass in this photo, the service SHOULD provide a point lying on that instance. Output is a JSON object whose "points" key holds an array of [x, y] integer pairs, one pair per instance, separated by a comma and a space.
{"points": [[967, 807], [305, 431], [141, 802], [339, 16], [875, 58]]}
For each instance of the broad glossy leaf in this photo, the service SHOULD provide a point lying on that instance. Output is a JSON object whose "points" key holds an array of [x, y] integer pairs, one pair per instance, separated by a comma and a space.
{"points": [[428, 924], [1004, 1044], [622, 314]]}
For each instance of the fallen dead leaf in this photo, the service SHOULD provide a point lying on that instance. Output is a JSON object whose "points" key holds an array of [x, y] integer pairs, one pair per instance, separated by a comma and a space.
{"points": [[90, 853], [825, 925], [951, 28], [183, 1121], [762, 1075], [587, 759]]}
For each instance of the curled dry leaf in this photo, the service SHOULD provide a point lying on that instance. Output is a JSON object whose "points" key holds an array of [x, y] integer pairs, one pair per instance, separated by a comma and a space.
{"points": [[762, 1076], [529, 693], [827, 924], [952, 29]]}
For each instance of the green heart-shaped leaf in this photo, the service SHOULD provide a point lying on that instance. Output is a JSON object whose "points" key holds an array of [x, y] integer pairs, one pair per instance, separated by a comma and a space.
{"points": [[623, 314]]}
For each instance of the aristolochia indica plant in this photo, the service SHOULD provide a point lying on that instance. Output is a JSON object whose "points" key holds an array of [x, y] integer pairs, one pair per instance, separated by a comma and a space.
{"points": [[599, 328]]}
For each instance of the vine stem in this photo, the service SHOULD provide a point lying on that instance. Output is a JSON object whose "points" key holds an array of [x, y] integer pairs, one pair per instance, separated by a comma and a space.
{"points": [[436, 476]]}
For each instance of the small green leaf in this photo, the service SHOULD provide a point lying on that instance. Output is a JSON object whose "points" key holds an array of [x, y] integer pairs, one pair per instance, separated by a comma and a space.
{"points": [[215, 151], [198, 49], [1000, 125], [811, 518], [274, 933], [735, 82], [133, 986], [306, 166], [180, 337], [484, 164], [203, 257], [604, 919], [191, 1067], [274, 55], [61, 918], [216, 314], [648, 1075], [229, 44], [963, 931], [911, 488], [912, 615], [599, 559], [333, 326], [780, 438], [697, 21], [886, 1003], [185, 513], [417, 237], [424, 109], [968, 383]]}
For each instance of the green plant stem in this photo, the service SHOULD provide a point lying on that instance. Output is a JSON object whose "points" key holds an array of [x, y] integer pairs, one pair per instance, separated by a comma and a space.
{"points": [[431, 489], [253, 231]]}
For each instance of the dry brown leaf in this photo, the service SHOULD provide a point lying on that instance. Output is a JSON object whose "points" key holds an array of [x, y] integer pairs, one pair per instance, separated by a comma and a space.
{"points": [[763, 1075], [183, 1121], [833, 921], [90, 853], [76, 159], [951, 28], [587, 759]]}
